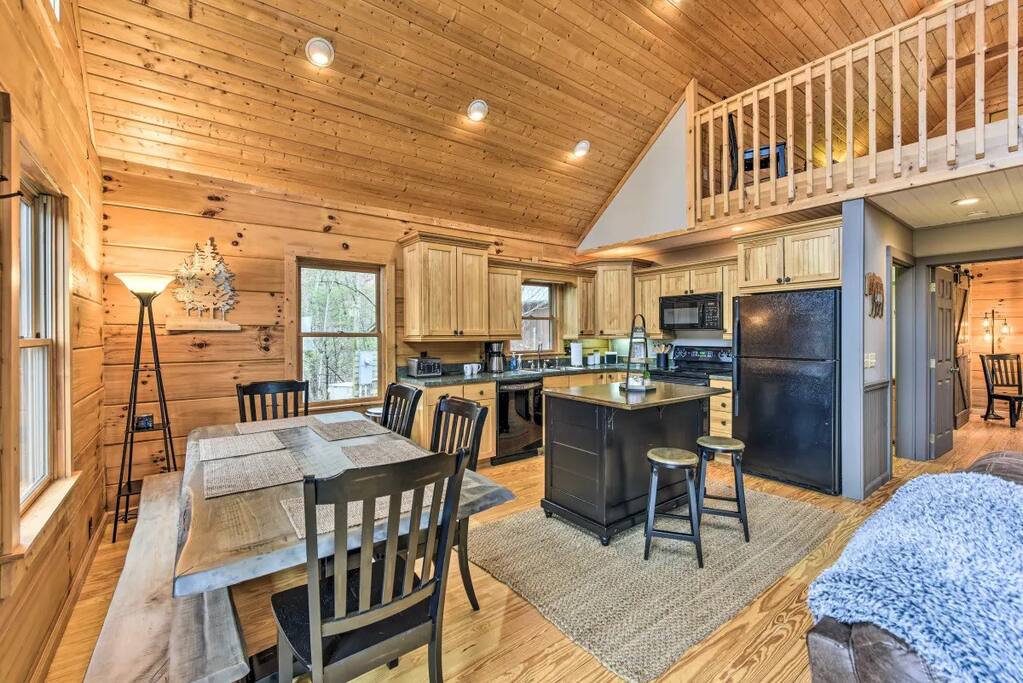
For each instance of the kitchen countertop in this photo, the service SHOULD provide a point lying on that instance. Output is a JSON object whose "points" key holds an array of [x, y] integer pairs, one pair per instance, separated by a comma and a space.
{"points": [[456, 378], [611, 396]]}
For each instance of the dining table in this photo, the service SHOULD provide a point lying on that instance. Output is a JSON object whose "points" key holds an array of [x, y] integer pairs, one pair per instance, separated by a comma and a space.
{"points": [[226, 540]]}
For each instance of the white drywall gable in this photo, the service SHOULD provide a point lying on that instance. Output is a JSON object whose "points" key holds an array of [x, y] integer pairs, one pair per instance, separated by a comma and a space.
{"points": [[653, 199]]}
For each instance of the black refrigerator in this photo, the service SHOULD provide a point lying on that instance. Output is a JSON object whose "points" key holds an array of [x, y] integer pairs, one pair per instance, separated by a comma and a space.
{"points": [[786, 386]]}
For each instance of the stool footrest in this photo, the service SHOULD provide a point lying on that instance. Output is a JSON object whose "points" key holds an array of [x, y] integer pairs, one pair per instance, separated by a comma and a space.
{"points": [[726, 498], [676, 535], [721, 513]]}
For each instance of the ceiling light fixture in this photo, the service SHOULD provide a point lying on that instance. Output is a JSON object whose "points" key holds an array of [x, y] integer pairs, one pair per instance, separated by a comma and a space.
{"points": [[736, 228], [319, 51], [966, 201], [976, 214], [582, 148], [477, 110]]}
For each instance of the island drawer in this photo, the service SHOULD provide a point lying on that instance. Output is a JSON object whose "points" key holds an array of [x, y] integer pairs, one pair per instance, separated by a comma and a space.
{"points": [[480, 392], [721, 404]]}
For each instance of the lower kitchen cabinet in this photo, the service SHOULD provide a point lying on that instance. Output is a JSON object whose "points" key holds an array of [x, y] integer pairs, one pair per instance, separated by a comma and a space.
{"points": [[721, 409], [484, 393]]}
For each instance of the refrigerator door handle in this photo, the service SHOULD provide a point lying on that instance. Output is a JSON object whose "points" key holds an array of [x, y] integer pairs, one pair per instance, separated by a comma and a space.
{"points": [[737, 346]]}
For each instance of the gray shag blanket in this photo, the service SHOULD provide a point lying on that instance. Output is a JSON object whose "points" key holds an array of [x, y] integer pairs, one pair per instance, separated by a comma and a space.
{"points": [[941, 567]]}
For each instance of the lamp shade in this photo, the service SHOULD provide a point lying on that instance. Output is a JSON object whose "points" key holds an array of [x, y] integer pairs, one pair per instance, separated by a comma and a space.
{"points": [[144, 283]]}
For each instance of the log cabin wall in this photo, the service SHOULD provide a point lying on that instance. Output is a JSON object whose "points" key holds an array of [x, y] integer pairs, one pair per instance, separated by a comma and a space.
{"points": [[151, 220], [41, 70], [998, 285]]}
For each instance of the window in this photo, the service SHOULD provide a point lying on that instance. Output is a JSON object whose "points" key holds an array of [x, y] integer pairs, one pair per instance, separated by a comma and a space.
{"points": [[537, 319], [339, 340], [36, 341]]}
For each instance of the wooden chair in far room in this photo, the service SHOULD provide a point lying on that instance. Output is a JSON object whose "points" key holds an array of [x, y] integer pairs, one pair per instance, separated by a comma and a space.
{"points": [[1003, 375], [340, 626], [748, 164], [278, 391], [459, 424], [399, 410]]}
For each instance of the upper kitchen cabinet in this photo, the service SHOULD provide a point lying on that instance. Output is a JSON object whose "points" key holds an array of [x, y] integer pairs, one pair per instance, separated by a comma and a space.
{"points": [[505, 303], [579, 308], [799, 257], [648, 302], [614, 296], [446, 287], [683, 281]]}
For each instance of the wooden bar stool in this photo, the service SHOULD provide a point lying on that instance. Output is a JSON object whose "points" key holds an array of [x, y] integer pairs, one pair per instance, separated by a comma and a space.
{"points": [[709, 446], [673, 459]]}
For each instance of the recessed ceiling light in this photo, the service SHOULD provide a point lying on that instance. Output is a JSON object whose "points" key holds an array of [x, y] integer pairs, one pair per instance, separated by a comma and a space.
{"points": [[976, 214], [736, 228], [319, 51], [582, 148], [477, 110], [966, 201]]}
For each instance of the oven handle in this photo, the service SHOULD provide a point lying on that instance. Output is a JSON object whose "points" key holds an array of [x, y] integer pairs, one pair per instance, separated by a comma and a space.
{"points": [[523, 386]]}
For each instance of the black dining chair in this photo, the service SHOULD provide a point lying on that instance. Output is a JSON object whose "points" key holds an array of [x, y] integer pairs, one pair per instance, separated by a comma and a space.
{"points": [[1003, 376], [374, 607], [278, 391], [399, 412], [457, 424], [748, 164]]}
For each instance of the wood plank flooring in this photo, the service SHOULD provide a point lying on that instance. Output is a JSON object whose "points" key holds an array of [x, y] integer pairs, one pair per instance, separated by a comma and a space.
{"points": [[509, 640]]}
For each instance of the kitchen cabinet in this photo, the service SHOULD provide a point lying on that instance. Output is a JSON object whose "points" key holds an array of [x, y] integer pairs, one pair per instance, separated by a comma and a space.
{"points": [[648, 302], [446, 288], [614, 297], [721, 409], [700, 280], [484, 393], [505, 303], [801, 257], [591, 378], [580, 316]]}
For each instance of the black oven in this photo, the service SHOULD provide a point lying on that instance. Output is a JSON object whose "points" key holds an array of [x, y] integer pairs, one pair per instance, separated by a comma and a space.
{"points": [[691, 312]]}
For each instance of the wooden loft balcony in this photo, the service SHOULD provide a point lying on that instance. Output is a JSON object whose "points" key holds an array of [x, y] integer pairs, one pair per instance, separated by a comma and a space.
{"points": [[930, 99]]}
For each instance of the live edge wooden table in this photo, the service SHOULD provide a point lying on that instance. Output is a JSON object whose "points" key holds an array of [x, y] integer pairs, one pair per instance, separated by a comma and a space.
{"points": [[234, 538], [596, 438]]}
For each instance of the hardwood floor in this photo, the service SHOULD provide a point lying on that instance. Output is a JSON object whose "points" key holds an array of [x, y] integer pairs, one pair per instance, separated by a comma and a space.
{"points": [[509, 640]]}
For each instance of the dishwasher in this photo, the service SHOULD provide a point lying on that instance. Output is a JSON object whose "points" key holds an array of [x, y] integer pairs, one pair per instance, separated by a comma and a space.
{"points": [[519, 420]]}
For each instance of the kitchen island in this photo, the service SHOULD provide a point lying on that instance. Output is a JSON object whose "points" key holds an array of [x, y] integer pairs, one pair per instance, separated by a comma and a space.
{"points": [[595, 442]]}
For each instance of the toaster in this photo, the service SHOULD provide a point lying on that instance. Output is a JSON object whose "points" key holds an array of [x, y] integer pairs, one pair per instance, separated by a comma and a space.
{"points": [[611, 358], [425, 366]]}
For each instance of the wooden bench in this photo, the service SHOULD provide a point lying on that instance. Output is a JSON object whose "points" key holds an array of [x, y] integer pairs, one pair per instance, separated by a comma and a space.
{"points": [[148, 635]]}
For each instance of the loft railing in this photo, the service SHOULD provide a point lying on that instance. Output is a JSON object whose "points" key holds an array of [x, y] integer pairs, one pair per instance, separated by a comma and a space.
{"points": [[933, 97]]}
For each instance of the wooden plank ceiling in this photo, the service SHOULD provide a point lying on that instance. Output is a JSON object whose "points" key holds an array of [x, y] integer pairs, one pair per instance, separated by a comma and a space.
{"points": [[222, 88]]}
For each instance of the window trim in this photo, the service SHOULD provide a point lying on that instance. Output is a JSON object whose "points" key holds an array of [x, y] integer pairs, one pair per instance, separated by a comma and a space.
{"points": [[552, 299], [294, 261]]}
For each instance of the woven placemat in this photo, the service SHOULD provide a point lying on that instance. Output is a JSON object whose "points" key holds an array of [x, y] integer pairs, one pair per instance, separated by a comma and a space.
{"points": [[349, 429], [249, 473], [382, 453], [273, 425], [295, 509], [220, 447]]}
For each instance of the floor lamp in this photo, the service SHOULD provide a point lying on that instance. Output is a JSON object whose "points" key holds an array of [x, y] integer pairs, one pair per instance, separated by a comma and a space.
{"points": [[146, 287]]}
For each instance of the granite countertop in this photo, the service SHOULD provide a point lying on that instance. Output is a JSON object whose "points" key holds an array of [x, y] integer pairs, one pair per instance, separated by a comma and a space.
{"points": [[456, 378], [611, 396]]}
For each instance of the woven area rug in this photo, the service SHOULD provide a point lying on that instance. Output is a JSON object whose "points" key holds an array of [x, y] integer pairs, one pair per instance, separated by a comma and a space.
{"points": [[638, 618]]}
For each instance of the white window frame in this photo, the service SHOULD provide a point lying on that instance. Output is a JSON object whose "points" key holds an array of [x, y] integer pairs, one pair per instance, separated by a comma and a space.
{"points": [[379, 332], [44, 326], [552, 319]]}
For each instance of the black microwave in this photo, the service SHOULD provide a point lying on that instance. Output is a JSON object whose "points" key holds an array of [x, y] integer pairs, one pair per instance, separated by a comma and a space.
{"points": [[691, 312]]}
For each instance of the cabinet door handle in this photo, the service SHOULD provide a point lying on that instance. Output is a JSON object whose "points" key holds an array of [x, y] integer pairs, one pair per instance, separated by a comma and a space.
{"points": [[788, 279], [780, 281]]}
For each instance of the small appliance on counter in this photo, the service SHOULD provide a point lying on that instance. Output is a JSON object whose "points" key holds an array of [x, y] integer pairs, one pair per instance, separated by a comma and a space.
{"points": [[493, 355], [425, 366], [611, 358], [593, 358], [575, 354]]}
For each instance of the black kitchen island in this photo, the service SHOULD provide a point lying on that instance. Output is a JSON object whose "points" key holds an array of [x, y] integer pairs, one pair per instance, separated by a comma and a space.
{"points": [[595, 444]]}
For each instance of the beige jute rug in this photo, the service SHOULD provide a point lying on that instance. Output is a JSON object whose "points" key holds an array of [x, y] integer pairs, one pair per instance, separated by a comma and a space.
{"points": [[639, 617]]}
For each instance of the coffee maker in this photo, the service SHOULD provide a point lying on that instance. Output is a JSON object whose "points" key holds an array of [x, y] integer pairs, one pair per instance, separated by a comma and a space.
{"points": [[493, 354]]}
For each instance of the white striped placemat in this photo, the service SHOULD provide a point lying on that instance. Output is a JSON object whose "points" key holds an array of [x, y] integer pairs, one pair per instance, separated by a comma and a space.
{"points": [[220, 447], [249, 473], [273, 425]]}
